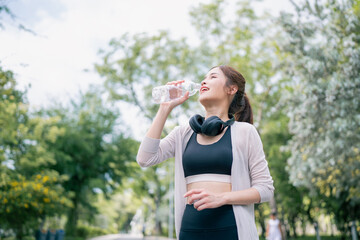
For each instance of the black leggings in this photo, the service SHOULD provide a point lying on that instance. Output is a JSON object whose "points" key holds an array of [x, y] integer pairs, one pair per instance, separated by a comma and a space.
{"points": [[210, 224]]}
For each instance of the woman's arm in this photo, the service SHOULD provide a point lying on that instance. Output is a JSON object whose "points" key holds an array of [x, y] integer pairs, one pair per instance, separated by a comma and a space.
{"points": [[158, 124], [153, 151], [203, 199], [261, 179]]}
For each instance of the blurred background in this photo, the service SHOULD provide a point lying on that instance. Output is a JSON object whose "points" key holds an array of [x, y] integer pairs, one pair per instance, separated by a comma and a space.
{"points": [[75, 101]]}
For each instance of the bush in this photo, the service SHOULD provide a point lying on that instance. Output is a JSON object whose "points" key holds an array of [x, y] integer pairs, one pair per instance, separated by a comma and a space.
{"points": [[312, 238], [73, 238], [90, 231]]}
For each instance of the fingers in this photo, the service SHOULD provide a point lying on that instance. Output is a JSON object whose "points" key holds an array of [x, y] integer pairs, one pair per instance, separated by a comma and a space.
{"points": [[197, 197], [202, 199], [184, 98], [202, 204], [181, 100], [193, 191], [176, 83]]}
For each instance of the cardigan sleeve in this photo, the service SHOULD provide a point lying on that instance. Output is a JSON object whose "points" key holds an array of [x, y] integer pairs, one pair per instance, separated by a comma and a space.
{"points": [[154, 151], [260, 176]]}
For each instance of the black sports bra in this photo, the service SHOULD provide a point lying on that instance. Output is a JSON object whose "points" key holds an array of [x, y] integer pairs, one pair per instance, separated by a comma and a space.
{"points": [[208, 162]]}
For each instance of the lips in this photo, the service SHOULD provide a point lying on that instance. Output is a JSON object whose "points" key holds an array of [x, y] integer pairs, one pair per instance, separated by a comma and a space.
{"points": [[204, 89]]}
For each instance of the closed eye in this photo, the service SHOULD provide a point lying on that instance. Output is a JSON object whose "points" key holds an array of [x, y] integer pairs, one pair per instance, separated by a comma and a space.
{"points": [[212, 75]]}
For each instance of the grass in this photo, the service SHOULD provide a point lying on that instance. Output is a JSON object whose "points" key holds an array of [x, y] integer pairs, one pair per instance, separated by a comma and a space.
{"points": [[313, 237]]}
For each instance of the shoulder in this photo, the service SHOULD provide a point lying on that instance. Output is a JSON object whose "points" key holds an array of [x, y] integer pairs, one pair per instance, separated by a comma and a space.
{"points": [[243, 127], [182, 130], [247, 132]]}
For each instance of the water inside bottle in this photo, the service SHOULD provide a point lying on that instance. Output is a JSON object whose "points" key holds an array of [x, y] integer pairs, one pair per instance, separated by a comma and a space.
{"points": [[169, 92]]}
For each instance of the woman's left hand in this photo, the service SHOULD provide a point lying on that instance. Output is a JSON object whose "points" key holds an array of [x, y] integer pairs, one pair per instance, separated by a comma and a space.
{"points": [[203, 199]]}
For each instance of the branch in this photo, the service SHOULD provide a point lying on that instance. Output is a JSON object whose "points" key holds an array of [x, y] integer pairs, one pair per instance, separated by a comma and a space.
{"points": [[260, 110], [138, 104]]}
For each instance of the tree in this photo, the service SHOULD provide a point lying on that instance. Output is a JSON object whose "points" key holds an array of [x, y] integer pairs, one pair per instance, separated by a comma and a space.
{"points": [[321, 44], [132, 67], [91, 152], [28, 190], [27, 201], [6, 11]]}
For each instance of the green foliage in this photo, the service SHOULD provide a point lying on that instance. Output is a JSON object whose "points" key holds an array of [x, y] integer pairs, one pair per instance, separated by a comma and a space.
{"points": [[25, 202], [52, 160], [86, 232], [4, 10], [7, 14], [29, 191], [322, 57], [89, 152], [13, 115], [135, 64], [313, 237]]}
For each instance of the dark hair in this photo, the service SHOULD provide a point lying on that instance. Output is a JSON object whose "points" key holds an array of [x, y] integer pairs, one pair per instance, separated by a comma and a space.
{"points": [[240, 106]]}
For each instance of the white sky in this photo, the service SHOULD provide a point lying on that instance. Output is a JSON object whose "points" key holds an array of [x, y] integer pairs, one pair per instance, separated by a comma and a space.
{"points": [[71, 32]]}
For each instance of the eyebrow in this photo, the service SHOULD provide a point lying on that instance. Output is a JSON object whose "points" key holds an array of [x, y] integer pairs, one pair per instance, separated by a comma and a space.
{"points": [[211, 74]]}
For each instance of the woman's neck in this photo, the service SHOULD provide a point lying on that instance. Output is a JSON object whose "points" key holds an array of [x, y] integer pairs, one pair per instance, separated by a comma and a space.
{"points": [[215, 111]]}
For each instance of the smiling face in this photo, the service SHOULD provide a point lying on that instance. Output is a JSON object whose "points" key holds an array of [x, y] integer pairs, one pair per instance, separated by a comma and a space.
{"points": [[214, 89]]}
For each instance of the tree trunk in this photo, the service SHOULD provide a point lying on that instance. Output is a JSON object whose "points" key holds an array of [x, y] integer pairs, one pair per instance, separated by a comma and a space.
{"points": [[262, 222], [73, 216], [19, 231], [293, 227], [303, 227], [157, 199]]}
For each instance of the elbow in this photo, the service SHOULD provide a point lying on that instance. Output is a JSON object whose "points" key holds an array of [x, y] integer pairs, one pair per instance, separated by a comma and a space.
{"points": [[266, 192], [141, 162]]}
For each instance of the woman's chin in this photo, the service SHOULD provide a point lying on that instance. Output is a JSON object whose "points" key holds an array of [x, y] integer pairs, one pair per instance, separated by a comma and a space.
{"points": [[207, 100], [203, 99]]}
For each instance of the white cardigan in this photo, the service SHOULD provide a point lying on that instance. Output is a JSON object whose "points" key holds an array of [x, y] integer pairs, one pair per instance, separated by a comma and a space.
{"points": [[249, 169]]}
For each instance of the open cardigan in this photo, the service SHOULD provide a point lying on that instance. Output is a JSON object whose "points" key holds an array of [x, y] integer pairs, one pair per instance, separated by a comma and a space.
{"points": [[249, 170]]}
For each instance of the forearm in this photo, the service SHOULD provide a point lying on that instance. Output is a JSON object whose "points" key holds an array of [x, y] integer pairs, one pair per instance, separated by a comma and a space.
{"points": [[203, 199], [157, 126], [243, 197]]}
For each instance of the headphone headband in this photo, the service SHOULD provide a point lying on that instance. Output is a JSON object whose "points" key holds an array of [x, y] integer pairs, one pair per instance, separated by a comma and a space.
{"points": [[212, 126]]}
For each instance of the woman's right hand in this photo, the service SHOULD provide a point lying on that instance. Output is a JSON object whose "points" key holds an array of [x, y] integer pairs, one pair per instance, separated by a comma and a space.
{"points": [[177, 101], [163, 112]]}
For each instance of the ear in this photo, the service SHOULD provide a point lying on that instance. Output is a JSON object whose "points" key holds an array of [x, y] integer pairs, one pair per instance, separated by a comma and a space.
{"points": [[232, 90]]}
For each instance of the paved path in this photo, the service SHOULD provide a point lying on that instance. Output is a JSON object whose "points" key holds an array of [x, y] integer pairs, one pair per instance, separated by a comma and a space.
{"points": [[128, 237]]}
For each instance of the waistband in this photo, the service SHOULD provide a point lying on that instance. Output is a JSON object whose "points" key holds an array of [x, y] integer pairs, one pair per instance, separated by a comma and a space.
{"points": [[209, 177]]}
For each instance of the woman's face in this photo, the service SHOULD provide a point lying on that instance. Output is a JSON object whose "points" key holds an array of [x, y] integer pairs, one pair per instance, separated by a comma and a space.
{"points": [[213, 87]]}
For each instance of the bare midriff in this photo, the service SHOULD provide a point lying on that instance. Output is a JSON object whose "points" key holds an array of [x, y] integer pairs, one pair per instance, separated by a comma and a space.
{"points": [[214, 187]]}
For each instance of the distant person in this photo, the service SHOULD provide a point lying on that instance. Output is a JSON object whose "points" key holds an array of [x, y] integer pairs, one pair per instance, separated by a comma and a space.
{"points": [[273, 230], [220, 166]]}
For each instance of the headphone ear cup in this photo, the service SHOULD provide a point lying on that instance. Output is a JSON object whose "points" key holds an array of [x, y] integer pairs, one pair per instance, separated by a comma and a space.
{"points": [[196, 122], [212, 126]]}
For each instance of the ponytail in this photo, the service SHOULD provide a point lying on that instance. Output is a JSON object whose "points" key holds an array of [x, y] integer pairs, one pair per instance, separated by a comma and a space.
{"points": [[240, 106], [241, 109]]}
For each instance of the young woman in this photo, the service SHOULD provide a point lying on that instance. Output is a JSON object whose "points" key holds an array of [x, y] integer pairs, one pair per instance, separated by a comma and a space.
{"points": [[273, 230], [220, 166]]}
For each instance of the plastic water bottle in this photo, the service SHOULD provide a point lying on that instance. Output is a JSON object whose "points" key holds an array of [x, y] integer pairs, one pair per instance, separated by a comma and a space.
{"points": [[167, 93]]}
